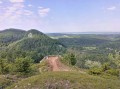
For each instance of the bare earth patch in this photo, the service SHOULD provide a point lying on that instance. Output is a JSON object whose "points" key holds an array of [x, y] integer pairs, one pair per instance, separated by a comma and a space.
{"points": [[55, 64]]}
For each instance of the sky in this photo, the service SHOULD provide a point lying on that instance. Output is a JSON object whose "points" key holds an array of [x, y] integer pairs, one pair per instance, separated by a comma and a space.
{"points": [[61, 15]]}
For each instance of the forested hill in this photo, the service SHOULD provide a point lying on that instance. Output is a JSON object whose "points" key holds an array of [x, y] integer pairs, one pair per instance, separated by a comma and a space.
{"points": [[16, 43], [10, 35]]}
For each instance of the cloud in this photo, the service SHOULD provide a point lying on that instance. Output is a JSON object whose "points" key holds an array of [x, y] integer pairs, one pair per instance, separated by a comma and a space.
{"points": [[19, 15], [29, 5], [43, 11], [16, 1], [15, 12], [40, 7], [28, 12], [1, 2], [15, 9], [112, 8]]}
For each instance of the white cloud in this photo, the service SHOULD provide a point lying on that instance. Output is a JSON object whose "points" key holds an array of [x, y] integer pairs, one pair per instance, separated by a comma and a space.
{"points": [[14, 12], [15, 15], [1, 2], [43, 11], [40, 7], [28, 12], [112, 8], [29, 5], [15, 9], [16, 1]]}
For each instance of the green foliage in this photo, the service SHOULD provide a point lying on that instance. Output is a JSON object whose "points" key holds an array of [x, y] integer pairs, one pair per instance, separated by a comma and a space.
{"points": [[69, 59], [18, 44], [82, 41], [101, 41], [72, 59], [23, 65], [105, 66], [4, 66], [10, 35], [66, 59], [105, 69], [93, 47], [115, 59], [92, 64], [95, 71], [94, 59], [113, 72]]}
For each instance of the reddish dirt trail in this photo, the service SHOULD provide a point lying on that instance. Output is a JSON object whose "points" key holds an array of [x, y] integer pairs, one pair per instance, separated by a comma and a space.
{"points": [[56, 65]]}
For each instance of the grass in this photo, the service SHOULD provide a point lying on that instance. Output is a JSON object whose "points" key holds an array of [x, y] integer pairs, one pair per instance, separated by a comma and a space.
{"points": [[4, 82], [66, 80]]}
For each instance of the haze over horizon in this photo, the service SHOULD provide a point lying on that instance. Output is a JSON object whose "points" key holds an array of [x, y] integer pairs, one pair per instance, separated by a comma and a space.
{"points": [[61, 15]]}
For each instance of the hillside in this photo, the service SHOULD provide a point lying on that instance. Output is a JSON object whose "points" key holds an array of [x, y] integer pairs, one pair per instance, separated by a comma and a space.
{"points": [[32, 43], [61, 77], [10, 35], [66, 80]]}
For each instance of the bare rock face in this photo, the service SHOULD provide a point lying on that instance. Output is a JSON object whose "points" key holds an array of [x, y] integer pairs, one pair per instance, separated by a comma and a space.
{"points": [[30, 35]]}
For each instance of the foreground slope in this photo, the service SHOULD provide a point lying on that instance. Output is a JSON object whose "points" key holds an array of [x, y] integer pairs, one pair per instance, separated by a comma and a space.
{"points": [[61, 77], [66, 80]]}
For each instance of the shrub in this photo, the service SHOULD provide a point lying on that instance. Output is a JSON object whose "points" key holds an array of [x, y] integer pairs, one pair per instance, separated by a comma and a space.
{"points": [[69, 59], [23, 65], [4, 68], [92, 64], [105, 66], [95, 71], [72, 59], [113, 72]]}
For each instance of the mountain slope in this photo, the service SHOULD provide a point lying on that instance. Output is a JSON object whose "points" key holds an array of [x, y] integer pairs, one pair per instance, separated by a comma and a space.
{"points": [[37, 41], [10, 35], [32, 43]]}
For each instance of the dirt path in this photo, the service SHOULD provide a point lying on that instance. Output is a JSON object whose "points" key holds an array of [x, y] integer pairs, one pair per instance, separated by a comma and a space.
{"points": [[56, 65]]}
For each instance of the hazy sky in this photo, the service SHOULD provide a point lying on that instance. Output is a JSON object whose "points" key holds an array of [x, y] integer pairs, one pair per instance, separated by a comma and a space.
{"points": [[61, 15]]}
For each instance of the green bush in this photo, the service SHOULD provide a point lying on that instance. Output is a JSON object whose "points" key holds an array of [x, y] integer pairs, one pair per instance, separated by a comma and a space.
{"points": [[92, 64], [69, 58], [95, 71], [12, 68], [23, 65], [105, 66], [105, 69], [73, 59], [113, 72], [4, 68]]}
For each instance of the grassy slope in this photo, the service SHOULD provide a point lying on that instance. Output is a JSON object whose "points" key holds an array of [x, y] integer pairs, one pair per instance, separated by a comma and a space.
{"points": [[66, 80]]}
